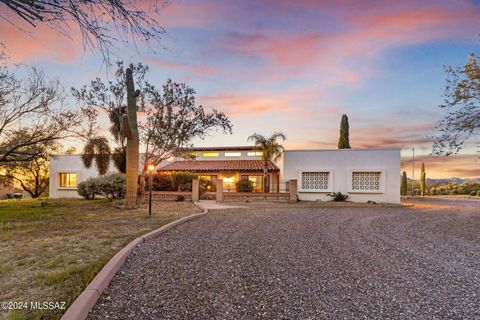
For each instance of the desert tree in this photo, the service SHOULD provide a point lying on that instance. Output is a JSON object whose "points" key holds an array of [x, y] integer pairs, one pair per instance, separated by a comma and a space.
{"points": [[109, 97], [32, 114], [462, 103], [174, 119], [344, 139], [33, 176], [101, 23], [271, 148]]}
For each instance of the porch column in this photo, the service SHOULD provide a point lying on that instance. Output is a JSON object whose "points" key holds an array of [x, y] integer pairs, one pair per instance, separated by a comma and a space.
{"points": [[292, 187], [219, 185], [195, 190]]}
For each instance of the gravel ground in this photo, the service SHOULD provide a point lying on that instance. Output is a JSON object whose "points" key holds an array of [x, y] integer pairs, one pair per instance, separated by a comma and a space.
{"points": [[304, 262]]}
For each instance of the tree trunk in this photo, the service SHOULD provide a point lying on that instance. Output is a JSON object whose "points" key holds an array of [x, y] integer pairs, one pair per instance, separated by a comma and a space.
{"points": [[132, 143], [265, 177]]}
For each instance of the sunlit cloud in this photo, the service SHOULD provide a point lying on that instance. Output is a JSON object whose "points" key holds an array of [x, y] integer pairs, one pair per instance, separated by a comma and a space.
{"points": [[297, 66]]}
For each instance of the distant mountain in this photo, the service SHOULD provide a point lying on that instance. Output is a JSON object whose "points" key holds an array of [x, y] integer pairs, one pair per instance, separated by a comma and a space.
{"points": [[454, 179], [446, 181]]}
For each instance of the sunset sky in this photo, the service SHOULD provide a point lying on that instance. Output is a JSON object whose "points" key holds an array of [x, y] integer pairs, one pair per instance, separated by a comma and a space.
{"points": [[297, 66]]}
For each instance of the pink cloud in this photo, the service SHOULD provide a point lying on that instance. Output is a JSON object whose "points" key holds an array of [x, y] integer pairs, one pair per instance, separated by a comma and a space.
{"points": [[194, 68], [40, 43], [247, 105], [360, 36]]}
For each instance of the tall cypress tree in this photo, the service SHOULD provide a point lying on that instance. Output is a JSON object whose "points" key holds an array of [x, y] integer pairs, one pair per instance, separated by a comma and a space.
{"points": [[344, 141]]}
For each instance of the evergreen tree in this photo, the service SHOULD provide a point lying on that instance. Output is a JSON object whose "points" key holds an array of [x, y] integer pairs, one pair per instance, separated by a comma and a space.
{"points": [[344, 141], [403, 187]]}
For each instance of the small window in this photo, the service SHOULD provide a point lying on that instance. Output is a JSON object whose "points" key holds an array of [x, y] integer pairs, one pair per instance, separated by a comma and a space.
{"points": [[68, 180], [233, 154], [315, 181], [210, 154], [366, 181], [253, 154]]}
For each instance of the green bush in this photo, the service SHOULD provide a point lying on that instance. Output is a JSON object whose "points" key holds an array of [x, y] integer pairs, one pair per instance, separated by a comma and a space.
{"points": [[111, 186], [182, 181], [160, 182], [338, 196], [244, 186], [88, 188]]}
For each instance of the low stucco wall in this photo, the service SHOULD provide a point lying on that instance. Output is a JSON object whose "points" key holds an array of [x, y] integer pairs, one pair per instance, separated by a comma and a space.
{"points": [[340, 164]]}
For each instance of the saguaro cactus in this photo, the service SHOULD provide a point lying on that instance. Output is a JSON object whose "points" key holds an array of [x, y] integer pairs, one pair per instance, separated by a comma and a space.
{"points": [[423, 181], [133, 140], [403, 186]]}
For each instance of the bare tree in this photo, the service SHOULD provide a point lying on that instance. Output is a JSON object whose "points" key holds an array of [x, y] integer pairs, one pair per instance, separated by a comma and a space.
{"points": [[462, 100], [33, 176], [102, 23], [32, 115], [174, 119]]}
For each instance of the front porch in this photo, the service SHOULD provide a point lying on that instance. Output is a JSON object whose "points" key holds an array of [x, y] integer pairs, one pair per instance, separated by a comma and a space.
{"points": [[231, 173]]}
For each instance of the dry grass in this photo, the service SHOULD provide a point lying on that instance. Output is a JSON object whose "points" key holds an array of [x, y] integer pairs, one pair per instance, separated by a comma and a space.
{"points": [[52, 249]]}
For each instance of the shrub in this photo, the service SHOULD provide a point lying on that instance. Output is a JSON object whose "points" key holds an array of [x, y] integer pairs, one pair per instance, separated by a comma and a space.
{"points": [[338, 196], [182, 181], [244, 186], [88, 189], [160, 182], [111, 186]]}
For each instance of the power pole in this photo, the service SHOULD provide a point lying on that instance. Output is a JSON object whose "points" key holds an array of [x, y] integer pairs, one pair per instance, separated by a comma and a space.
{"points": [[413, 171]]}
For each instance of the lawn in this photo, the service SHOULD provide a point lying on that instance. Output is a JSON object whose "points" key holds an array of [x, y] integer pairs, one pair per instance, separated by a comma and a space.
{"points": [[51, 249]]}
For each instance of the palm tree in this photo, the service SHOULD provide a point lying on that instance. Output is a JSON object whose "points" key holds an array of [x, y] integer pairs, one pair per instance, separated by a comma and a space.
{"points": [[271, 149]]}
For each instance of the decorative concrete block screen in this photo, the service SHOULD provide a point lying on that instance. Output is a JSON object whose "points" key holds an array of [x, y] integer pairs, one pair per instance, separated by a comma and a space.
{"points": [[366, 181], [314, 180]]}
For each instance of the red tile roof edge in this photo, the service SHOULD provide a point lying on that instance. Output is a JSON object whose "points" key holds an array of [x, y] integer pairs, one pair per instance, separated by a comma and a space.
{"points": [[219, 165]]}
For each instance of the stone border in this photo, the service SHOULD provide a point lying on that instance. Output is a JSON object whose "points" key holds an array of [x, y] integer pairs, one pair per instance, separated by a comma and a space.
{"points": [[81, 307]]}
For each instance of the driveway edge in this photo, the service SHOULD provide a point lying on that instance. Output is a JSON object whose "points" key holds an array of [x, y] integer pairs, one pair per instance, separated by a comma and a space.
{"points": [[80, 308]]}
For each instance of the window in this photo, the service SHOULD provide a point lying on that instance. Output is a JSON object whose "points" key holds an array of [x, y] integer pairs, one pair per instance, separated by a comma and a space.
{"points": [[68, 180], [233, 154], [208, 183], [210, 154], [257, 183], [256, 153], [315, 181], [366, 181]]}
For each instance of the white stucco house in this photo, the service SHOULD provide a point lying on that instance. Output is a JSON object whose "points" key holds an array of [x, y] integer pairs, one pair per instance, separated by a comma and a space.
{"points": [[66, 171], [363, 174]]}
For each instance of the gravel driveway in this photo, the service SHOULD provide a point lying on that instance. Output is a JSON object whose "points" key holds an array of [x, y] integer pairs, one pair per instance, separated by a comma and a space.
{"points": [[305, 261]]}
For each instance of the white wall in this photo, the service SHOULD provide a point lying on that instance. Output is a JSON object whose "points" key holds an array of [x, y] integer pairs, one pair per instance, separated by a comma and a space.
{"points": [[224, 155], [340, 164], [69, 164]]}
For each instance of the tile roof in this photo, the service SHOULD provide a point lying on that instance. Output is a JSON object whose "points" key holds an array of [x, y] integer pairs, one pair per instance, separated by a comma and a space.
{"points": [[243, 148], [219, 165]]}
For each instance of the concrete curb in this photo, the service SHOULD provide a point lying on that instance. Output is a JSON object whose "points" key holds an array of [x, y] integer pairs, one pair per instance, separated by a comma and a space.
{"points": [[86, 300]]}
